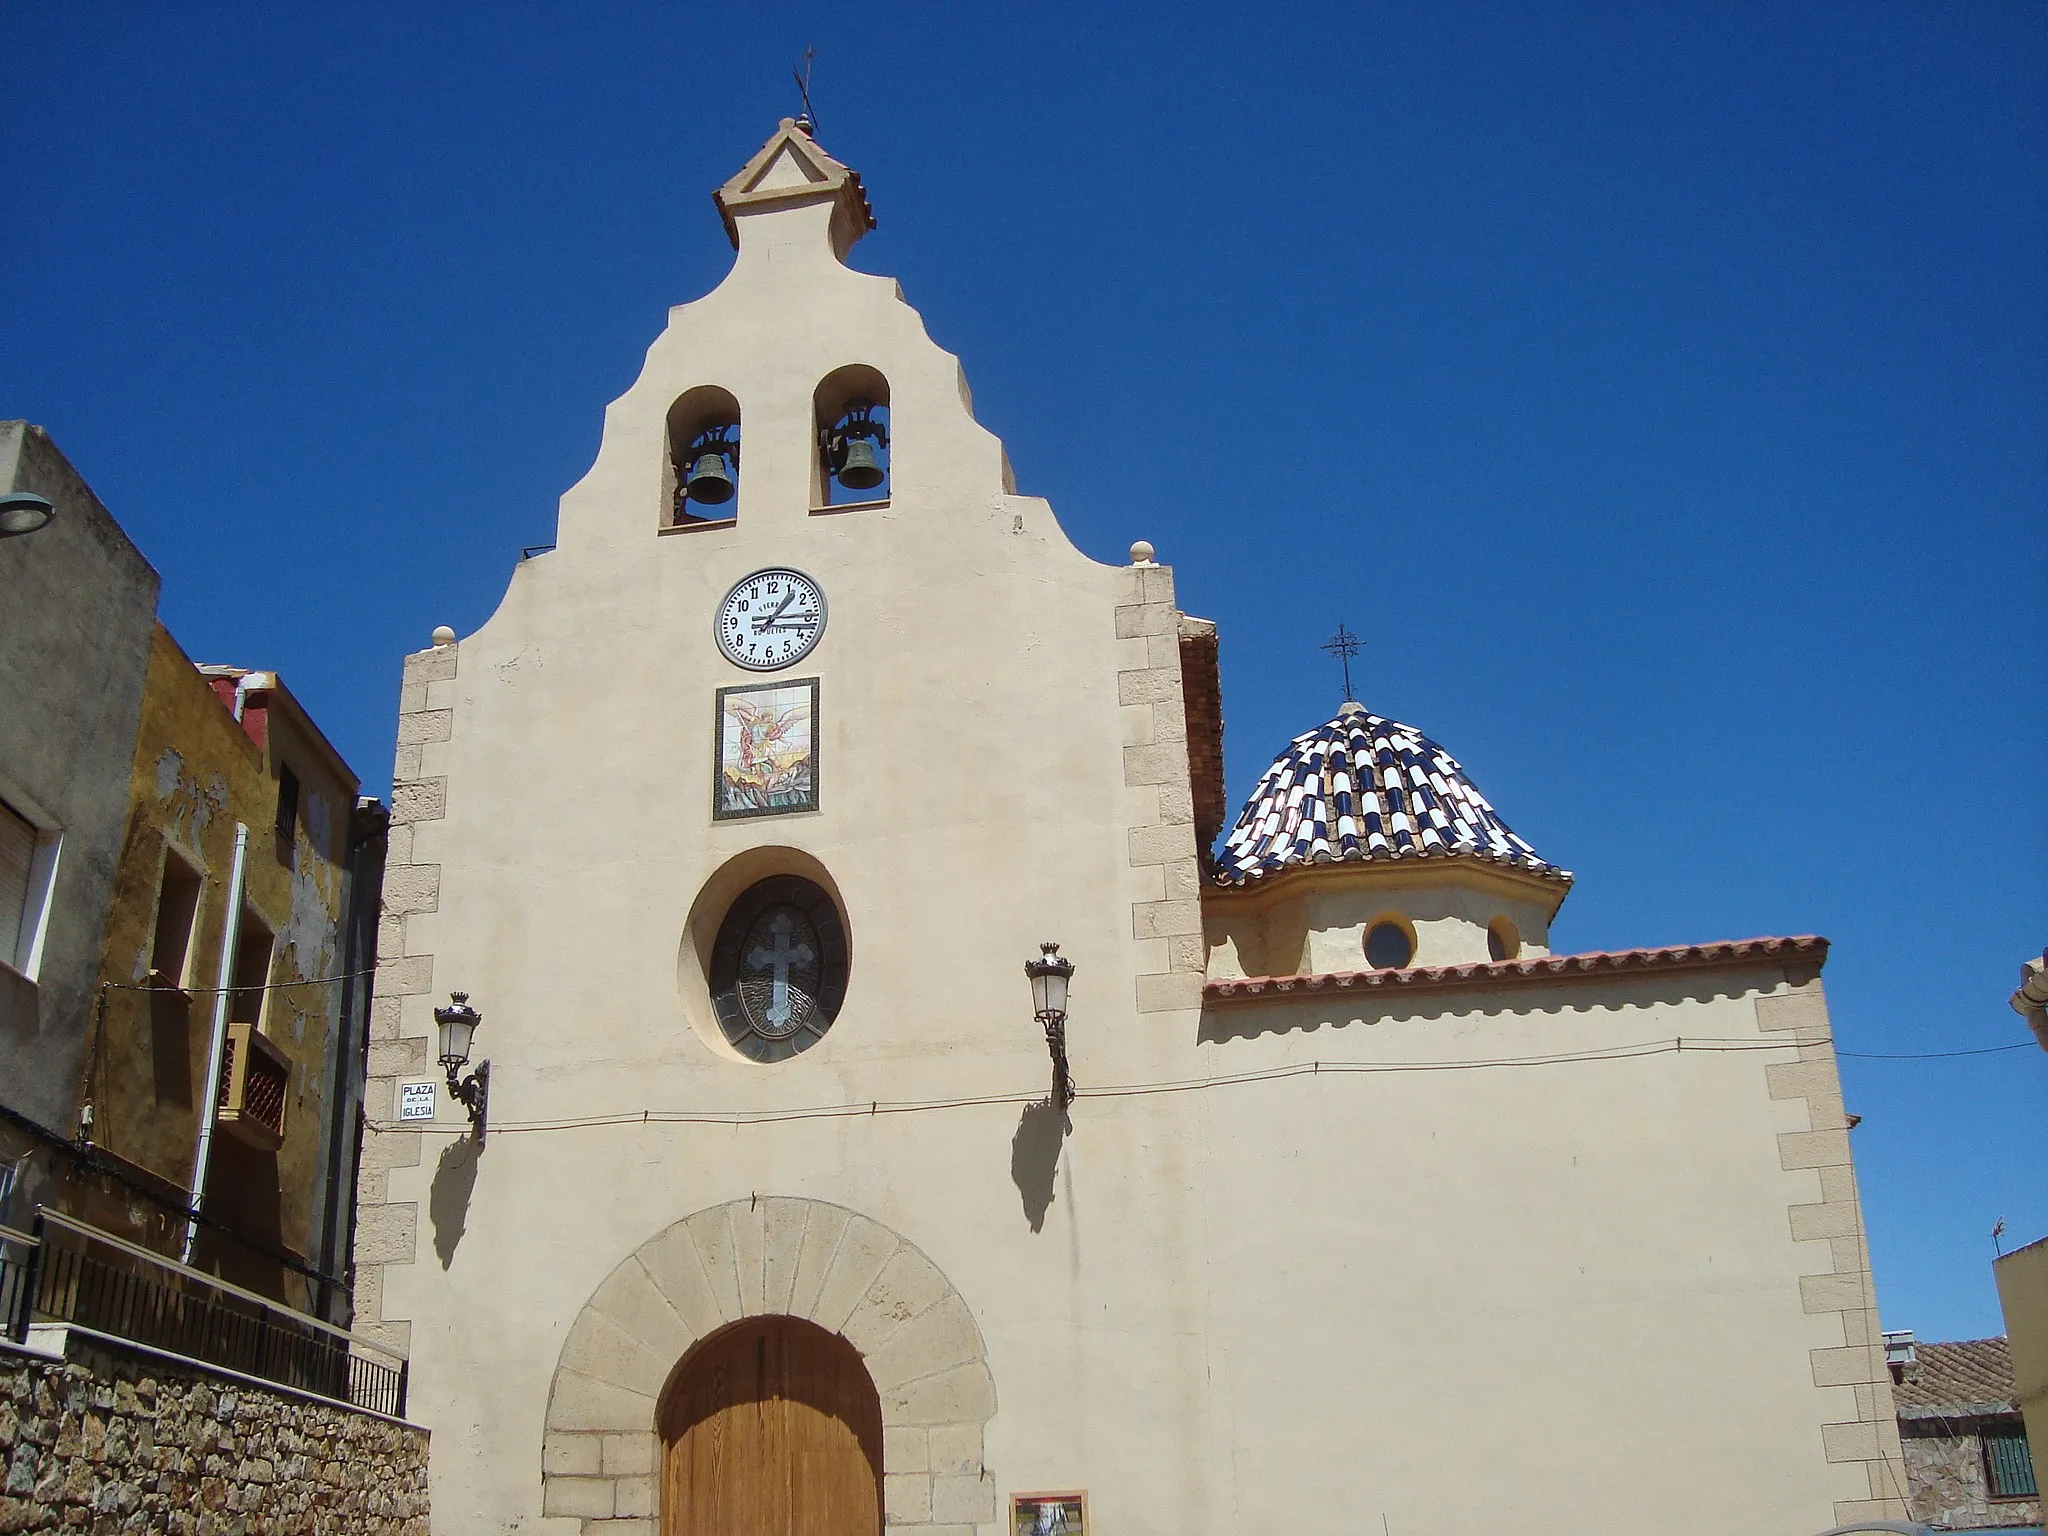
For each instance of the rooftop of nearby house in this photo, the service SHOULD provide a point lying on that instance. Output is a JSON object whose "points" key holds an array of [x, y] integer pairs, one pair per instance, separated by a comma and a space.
{"points": [[1962, 1379]]}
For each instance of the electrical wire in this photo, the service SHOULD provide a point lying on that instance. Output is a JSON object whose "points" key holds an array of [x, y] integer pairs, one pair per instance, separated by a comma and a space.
{"points": [[1988, 1050], [875, 1108], [268, 986]]}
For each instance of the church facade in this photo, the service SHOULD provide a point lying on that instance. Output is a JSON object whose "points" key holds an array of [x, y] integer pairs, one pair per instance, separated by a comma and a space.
{"points": [[739, 821]]}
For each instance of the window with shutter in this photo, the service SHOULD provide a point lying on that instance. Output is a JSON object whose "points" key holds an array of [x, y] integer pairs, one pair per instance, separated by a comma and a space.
{"points": [[2010, 1466], [17, 863]]}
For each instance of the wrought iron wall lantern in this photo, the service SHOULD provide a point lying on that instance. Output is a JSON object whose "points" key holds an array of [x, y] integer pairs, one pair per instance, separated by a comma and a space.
{"points": [[458, 1024], [1049, 974], [851, 446], [714, 458]]}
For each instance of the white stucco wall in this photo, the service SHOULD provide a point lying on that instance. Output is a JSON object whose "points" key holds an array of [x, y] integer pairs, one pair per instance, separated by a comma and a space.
{"points": [[1568, 1295]]}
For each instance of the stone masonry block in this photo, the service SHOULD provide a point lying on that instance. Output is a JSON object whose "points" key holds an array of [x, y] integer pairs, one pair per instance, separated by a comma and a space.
{"points": [[864, 1248], [907, 1285], [1151, 685], [937, 1339], [749, 1243], [407, 977], [1169, 992], [1818, 1221], [630, 1298], [905, 1450], [398, 846], [1159, 845], [1187, 952], [412, 698], [1801, 1079], [963, 1393], [1850, 1442], [571, 1455], [420, 800], [1163, 919], [1177, 800], [674, 1265], [782, 1230], [963, 1500], [1831, 1293], [441, 693], [390, 945], [1805, 1011], [633, 1496], [1170, 721], [431, 666], [1183, 878], [955, 1449], [391, 1149], [387, 1234], [712, 1232], [822, 1232], [906, 1498], [373, 1187], [385, 1013], [589, 1497], [428, 725], [582, 1402], [1163, 651], [1148, 619], [397, 1058], [618, 1527], [1845, 1366], [1812, 1149], [405, 762], [1155, 765], [1155, 582]]}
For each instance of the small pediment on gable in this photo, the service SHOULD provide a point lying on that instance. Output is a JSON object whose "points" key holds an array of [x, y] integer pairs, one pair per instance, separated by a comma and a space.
{"points": [[791, 171], [789, 167]]}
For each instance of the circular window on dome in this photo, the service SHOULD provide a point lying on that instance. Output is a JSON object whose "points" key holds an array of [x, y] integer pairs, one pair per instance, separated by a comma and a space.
{"points": [[1502, 941], [1388, 946], [778, 968]]}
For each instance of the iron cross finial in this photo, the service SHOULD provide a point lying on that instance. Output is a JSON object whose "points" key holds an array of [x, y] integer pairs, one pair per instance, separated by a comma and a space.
{"points": [[809, 121], [1344, 645]]}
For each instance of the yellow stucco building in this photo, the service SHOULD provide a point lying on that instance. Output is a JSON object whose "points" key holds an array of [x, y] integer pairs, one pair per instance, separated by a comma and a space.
{"points": [[739, 822]]}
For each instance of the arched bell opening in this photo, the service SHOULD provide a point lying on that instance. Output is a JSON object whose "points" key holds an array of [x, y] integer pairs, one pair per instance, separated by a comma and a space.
{"points": [[851, 407], [701, 471], [771, 1425]]}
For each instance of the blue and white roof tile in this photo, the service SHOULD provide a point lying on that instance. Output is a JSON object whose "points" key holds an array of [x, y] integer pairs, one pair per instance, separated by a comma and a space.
{"points": [[1362, 788]]}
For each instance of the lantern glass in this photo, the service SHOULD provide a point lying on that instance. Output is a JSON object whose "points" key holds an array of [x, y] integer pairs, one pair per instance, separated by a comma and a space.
{"points": [[458, 1028], [1049, 977]]}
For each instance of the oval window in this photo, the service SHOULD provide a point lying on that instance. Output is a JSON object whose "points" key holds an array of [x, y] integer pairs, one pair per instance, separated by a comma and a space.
{"points": [[1388, 947], [778, 968]]}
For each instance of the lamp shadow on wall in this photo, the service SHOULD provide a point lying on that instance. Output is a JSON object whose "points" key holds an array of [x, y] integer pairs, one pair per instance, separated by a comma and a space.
{"points": [[1035, 1157], [448, 1201]]}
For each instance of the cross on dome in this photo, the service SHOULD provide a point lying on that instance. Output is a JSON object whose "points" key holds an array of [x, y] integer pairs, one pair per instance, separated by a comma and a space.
{"points": [[1360, 787]]}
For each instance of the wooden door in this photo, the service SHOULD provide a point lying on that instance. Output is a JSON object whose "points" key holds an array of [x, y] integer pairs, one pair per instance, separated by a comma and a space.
{"points": [[774, 1429]]}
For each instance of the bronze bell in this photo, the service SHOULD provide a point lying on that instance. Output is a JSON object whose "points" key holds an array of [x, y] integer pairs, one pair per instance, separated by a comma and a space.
{"points": [[859, 469], [710, 482]]}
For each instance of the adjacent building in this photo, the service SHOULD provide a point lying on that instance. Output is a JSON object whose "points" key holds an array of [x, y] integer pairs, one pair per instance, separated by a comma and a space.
{"points": [[190, 895], [1323, 1194], [1968, 1461]]}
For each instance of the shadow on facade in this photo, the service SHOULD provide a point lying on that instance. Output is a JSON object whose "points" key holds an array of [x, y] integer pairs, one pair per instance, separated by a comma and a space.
{"points": [[1035, 1157], [448, 1205]]}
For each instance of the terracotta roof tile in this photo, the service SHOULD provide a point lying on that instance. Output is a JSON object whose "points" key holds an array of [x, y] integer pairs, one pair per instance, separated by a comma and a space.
{"points": [[1969, 1376], [1418, 978]]}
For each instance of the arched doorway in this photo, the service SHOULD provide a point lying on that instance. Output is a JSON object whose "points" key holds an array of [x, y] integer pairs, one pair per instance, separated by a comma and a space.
{"points": [[773, 1428]]}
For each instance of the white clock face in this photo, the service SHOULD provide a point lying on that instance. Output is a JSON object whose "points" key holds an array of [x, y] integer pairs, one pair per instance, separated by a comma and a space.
{"points": [[771, 619]]}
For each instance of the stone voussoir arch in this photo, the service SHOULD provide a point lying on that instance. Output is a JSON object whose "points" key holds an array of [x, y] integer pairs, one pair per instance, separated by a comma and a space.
{"points": [[771, 1256]]}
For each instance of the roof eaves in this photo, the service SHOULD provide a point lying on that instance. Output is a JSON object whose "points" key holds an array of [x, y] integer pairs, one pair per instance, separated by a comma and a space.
{"points": [[1809, 948]]}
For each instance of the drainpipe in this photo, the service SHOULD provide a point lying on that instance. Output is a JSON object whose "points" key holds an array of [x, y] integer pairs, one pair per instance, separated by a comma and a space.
{"points": [[243, 684], [230, 937]]}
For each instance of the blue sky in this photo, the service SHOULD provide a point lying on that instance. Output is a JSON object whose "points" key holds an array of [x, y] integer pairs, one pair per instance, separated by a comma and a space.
{"points": [[1659, 390]]}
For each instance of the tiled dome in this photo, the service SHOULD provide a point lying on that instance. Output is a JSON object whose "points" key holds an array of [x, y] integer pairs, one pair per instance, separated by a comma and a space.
{"points": [[1360, 787]]}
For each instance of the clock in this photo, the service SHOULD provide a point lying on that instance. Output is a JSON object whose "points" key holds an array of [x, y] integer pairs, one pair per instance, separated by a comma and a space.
{"points": [[771, 619]]}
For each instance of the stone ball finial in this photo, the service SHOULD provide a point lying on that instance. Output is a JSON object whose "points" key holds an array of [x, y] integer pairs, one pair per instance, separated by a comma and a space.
{"points": [[443, 635], [1141, 553]]}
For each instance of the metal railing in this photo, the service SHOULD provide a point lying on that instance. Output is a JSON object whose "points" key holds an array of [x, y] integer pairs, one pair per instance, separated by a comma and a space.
{"points": [[68, 1273]]}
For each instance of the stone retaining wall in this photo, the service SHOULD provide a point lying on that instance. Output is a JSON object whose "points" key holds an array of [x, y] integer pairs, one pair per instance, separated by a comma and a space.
{"points": [[112, 1440]]}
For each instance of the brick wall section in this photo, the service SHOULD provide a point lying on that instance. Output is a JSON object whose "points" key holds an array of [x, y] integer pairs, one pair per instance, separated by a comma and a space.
{"points": [[113, 1440], [1168, 920], [387, 1233], [1202, 685], [1871, 1437]]}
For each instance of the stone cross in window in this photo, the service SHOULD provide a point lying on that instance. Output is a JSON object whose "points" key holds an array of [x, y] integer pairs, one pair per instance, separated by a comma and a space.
{"points": [[779, 959]]}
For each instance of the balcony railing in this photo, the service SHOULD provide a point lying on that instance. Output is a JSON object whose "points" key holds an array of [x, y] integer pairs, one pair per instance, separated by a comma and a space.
{"points": [[65, 1272]]}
